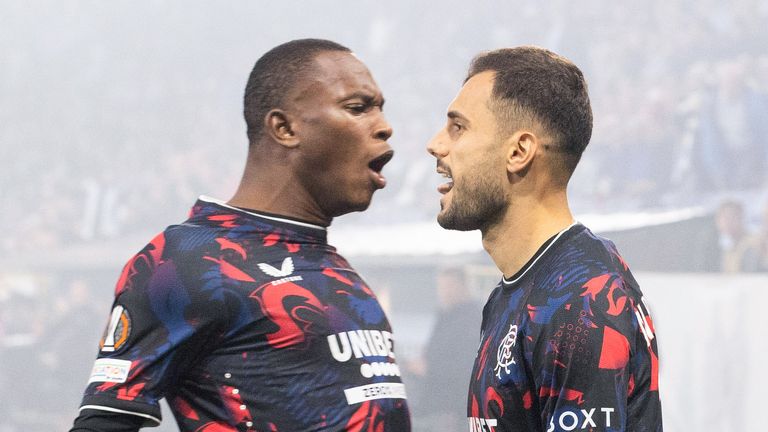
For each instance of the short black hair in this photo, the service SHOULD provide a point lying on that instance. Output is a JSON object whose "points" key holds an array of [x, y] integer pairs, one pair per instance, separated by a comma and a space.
{"points": [[273, 76], [535, 84]]}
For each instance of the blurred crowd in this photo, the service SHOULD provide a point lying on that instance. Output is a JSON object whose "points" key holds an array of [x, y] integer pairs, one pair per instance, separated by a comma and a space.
{"points": [[119, 135], [742, 248], [48, 341]]}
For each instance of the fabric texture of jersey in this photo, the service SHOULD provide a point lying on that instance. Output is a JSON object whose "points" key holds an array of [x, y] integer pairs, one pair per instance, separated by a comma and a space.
{"points": [[567, 345], [247, 322]]}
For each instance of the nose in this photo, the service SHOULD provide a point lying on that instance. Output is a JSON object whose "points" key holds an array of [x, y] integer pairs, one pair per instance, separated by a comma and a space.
{"points": [[383, 129], [435, 146]]}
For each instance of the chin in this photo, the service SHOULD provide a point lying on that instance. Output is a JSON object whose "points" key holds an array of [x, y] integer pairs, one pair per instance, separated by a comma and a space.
{"points": [[452, 221], [449, 223], [351, 207], [361, 207]]}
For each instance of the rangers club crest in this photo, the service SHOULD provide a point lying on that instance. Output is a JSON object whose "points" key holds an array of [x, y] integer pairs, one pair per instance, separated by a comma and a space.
{"points": [[504, 356]]}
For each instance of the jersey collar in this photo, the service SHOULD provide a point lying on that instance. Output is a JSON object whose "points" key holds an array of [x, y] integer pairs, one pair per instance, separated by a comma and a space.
{"points": [[539, 253], [262, 215]]}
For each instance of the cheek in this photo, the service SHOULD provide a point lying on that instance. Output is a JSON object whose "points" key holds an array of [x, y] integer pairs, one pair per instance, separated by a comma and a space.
{"points": [[463, 165], [332, 149], [473, 168], [341, 167], [338, 151], [349, 152], [345, 135]]}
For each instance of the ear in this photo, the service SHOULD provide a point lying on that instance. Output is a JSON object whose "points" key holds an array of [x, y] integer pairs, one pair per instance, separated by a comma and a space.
{"points": [[522, 148], [279, 126]]}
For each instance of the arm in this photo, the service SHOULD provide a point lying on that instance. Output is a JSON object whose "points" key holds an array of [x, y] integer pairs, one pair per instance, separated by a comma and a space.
{"points": [[584, 360], [157, 326]]}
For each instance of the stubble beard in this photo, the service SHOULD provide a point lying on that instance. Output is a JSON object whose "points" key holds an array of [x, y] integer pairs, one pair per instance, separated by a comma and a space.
{"points": [[476, 206]]}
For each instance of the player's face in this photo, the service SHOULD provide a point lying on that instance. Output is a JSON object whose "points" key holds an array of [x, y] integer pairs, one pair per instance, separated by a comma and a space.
{"points": [[469, 154], [343, 135]]}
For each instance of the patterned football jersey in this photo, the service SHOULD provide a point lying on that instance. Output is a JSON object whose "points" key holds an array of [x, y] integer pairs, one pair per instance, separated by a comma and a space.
{"points": [[248, 322], [567, 344]]}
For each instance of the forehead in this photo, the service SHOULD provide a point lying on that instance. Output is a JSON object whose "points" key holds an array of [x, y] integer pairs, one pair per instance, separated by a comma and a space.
{"points": [[472, 100], [337, 75]]}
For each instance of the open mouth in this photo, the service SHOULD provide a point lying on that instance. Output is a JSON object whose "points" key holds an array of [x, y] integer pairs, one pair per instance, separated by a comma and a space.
{"points": [[444, 188], [376, 165]]}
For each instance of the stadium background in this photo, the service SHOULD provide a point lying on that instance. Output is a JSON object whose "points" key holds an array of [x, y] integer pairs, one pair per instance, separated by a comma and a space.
{"points": [[115, 116]]}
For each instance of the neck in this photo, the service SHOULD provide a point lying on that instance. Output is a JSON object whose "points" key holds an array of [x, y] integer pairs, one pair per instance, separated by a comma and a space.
{"points": [[272, 188], [525, 226]]}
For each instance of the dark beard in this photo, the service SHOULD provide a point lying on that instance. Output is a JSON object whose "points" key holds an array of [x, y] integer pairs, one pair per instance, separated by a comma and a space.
{"points": [[477, 206]]}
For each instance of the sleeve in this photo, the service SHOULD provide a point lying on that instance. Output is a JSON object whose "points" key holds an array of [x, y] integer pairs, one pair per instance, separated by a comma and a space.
{"points": [[581, 360], [105, 421], [161, 321]]}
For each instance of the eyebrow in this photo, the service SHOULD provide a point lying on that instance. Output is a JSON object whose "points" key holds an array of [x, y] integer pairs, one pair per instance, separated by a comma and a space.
{"points": [[457, 115], [366, 97]]}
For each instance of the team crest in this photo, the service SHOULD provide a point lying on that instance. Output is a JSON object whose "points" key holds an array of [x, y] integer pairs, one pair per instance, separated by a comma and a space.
{"points": [[118, 330], [504, 356]]}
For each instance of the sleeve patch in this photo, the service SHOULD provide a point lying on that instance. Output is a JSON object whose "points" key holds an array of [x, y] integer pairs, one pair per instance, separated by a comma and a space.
{"points": [[110, 370], [118, 330]]}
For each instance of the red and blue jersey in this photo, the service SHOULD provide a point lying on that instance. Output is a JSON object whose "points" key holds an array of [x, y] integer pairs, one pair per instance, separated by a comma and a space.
{"points": [[567, 344], [247, 322]]}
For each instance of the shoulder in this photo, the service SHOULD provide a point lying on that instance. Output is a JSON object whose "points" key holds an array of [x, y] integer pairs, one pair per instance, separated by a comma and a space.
{"points": [[586, 280], [599, 260], [600, 250], [175, 251]]}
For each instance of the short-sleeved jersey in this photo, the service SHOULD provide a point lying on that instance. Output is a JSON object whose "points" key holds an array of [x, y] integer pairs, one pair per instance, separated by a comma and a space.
{"points": [[248, 322], [567, 344]]}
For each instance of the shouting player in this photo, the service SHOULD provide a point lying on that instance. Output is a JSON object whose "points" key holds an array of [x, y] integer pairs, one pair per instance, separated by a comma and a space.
{"points": [[243, 317], [567, 343]]}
